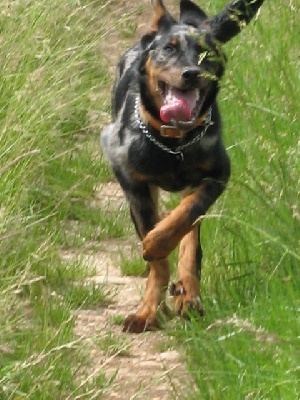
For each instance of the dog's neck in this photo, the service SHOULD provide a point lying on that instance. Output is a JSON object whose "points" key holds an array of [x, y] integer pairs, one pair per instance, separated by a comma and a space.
{"points": [[177, 151], [171, 131]]}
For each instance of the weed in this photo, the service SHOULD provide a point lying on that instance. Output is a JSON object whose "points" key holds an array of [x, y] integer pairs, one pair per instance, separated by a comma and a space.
{"points": [[117, 320], [133, 266], [50, 81], [111, 344]]}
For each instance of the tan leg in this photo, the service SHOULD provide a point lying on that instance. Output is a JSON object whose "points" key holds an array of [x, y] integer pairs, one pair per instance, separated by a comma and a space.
{"points": [[187, 290], [154, 299], [144, 212], [167, 234]]}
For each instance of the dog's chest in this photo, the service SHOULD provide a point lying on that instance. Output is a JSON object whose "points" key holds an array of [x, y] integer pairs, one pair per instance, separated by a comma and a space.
{"points": [[171, 172]]}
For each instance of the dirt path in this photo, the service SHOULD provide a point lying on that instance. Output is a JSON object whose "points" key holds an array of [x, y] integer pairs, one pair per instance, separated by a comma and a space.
{"points": [[146, 365]]}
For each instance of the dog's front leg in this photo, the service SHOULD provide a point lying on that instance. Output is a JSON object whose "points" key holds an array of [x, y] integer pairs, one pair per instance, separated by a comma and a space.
{"points": [[147, 316], [181, 225], [142, 199], [166, 235]]}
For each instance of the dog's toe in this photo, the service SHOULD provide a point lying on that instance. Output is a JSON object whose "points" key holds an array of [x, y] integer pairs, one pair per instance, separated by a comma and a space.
{"points": [[186, 308], [185, 304], [136, 324]]}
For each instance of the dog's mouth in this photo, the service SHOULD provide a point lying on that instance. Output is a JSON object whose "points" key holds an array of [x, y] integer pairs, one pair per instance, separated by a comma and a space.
{"points": [[181, 107]]}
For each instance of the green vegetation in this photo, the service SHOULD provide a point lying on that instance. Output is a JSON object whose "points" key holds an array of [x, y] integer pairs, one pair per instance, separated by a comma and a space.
{"points": [[52, 83], [134, 266], [55, 83], [247, 346], [112, 344]]}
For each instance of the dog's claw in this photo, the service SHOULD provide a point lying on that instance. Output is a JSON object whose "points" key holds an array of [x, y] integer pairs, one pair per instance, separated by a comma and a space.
{"points": [[174, 291], [184, 308], [135, 324], [185, 304]]}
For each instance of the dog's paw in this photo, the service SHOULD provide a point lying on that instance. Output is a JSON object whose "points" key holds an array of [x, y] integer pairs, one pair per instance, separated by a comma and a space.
{"points": [[138, 324], [185, 304]]}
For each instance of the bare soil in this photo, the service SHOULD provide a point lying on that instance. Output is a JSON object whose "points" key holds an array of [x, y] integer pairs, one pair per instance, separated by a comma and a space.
{"points": [[145, 366]]}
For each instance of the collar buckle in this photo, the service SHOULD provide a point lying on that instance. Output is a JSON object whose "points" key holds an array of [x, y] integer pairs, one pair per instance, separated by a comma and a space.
{"points": [[171, 131]]}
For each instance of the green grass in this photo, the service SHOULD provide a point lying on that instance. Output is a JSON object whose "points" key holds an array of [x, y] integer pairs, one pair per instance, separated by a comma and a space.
{"points": [[133, 266], [111, 344], [247, 346], [54, 83], [51, 109]]}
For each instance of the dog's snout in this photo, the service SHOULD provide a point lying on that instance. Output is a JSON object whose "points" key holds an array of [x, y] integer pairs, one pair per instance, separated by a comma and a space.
{"points": [[191, 74]]}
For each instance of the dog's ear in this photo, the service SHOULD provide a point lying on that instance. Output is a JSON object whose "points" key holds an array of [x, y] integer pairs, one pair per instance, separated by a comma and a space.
{"points": [[191, 14], [147, 40], [231, 20], [161, 19]]}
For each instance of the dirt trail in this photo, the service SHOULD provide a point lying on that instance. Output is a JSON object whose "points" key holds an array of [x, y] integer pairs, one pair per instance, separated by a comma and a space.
{"points": [[146, 365]]}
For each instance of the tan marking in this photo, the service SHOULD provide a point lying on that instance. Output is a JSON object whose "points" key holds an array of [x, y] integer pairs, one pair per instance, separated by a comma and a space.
{"points": [[166, 235], [147, 117], [154, 299], [171, 76], [146, 317], [175, 41], [158, 12], [207, 165], [188, 283], [187, 254], [138, 176], [152, 75]]}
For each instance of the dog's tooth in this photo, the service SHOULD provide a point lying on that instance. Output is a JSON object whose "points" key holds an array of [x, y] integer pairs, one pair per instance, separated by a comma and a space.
{"points": [[169, 94]]}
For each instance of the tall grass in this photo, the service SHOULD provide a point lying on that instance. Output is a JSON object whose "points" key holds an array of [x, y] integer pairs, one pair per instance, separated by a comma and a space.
{"points": [[50, 111], [54, 86], [247, 346]]}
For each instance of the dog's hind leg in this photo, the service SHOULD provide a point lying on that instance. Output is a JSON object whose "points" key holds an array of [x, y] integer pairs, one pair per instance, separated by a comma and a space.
{"points": [[187, 290], [144, 212]]}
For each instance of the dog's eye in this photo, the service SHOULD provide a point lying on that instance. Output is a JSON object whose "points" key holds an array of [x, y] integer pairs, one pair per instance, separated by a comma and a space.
{"points": [[169, 48]]}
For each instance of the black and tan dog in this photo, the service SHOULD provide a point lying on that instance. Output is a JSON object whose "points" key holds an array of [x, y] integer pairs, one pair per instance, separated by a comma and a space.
{"points": [[166, 133]]}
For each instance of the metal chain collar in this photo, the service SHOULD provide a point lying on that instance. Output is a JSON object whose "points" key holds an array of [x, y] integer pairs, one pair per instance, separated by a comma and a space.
{"points": [[179, 149]]}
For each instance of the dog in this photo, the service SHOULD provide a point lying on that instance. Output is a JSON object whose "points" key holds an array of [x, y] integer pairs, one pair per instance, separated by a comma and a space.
{"points": [[166, 133]]}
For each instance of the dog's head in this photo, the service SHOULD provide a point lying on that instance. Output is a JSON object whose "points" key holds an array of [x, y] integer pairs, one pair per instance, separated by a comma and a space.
{"points": [[183, 61]]}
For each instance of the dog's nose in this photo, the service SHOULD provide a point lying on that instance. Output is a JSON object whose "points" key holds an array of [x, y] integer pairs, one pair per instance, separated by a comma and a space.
{"points": [[190, 74]]}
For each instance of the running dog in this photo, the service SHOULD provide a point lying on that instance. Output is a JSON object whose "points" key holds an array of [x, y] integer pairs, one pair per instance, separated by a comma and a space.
{"points": [[166, 133]]}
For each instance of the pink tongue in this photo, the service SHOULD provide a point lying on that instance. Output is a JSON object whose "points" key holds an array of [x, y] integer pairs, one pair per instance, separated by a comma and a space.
{"points": [[177, 109], [178, 105]]}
